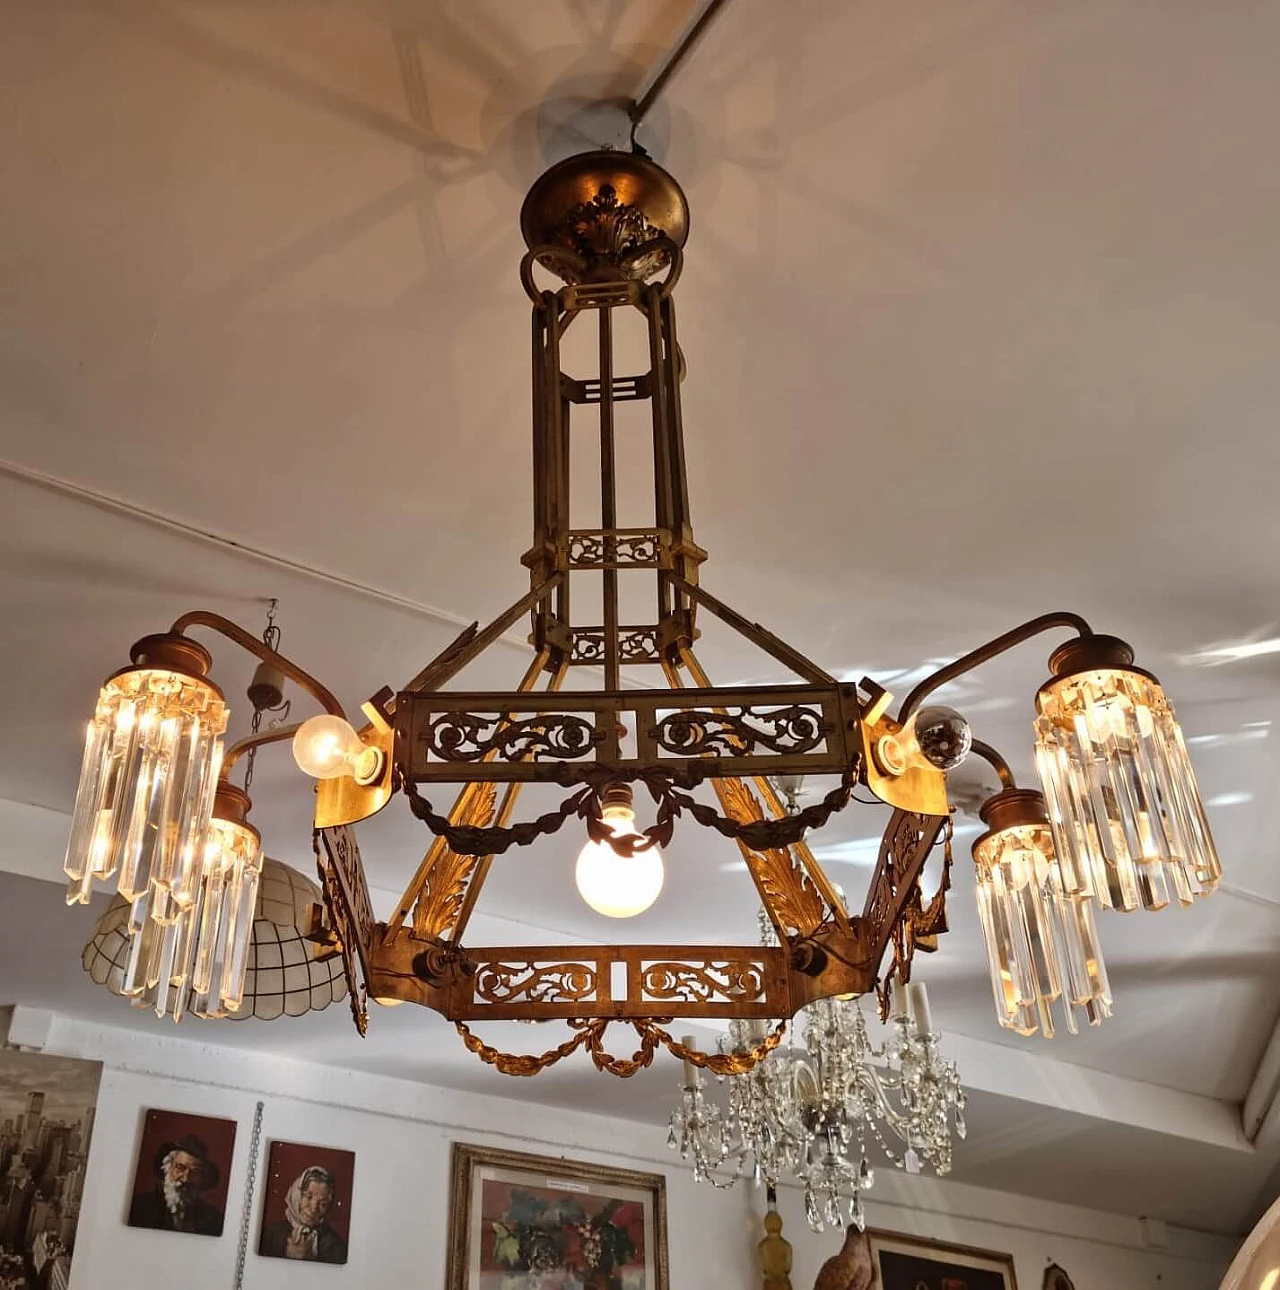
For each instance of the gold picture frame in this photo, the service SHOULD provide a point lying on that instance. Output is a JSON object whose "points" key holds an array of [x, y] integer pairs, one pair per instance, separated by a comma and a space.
{"points": [[902, 1262], [522, 1215]]}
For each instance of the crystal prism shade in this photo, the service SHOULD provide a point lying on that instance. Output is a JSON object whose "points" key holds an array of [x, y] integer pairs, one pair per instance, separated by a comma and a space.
{"points": [[1128, 825], [152, 817], [151, 761], [194, 958], [1042, 944]]}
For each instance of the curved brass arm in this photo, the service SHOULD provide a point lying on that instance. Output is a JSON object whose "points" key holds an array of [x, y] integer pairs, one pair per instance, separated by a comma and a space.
{"points": [[275, 735], [206, 618], [984, 653], [989, 754]]}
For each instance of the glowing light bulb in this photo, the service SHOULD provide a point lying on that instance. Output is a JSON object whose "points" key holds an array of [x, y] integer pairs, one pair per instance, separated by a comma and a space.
{"points": [[619, 886], [327, 747]]}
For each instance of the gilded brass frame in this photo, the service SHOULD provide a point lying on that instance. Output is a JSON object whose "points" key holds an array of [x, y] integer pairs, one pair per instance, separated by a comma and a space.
{"points": [[581, 224]]}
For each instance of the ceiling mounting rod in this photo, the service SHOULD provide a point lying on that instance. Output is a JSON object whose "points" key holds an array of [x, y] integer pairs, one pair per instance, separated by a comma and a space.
{"points": [[671, 64]]}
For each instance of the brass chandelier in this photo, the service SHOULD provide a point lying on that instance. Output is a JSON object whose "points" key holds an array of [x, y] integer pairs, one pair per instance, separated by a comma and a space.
{"points": [[1119, 824]]}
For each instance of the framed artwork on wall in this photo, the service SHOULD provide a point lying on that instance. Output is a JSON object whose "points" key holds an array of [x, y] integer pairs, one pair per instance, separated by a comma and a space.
{"points": [[522, 1222], [47, 1106], [908, 1262], [306, 1203], [180, 1179]]}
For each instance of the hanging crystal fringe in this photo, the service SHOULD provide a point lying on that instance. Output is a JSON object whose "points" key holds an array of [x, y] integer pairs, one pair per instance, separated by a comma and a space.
{"points": [[143, 817], [151, 761], [196, 961], [1128, 823], [1042, 945]]}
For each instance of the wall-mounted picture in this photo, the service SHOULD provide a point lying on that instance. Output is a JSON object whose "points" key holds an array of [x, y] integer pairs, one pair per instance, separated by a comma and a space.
{"points": [[180, 1180], [46, 1120], [521, 1222], [306, 1203], [909, 1262]]}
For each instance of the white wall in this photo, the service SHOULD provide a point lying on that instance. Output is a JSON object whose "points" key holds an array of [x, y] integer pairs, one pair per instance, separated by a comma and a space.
{"points": [[401, 1134]]}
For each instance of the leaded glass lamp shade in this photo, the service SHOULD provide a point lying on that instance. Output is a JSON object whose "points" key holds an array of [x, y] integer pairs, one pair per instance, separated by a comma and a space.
{"points": [[284, 976]]}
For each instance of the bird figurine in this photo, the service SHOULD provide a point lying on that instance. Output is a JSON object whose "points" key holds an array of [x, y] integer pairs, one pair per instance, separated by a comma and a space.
{"points": [[852, 1269]]}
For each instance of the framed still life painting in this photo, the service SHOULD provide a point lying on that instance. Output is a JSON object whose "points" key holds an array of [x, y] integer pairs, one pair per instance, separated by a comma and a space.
{"points": [[522, 1222], [909, 1262]]}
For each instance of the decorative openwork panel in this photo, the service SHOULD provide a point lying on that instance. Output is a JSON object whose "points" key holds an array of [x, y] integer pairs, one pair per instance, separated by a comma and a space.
{"points": [[635, 645], [767, 730], [620, 549], [639, 981], [737, 980]]}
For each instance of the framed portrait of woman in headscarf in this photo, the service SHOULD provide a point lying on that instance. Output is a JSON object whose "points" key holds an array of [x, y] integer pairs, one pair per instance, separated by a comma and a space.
{"points": [[306, 1203]]}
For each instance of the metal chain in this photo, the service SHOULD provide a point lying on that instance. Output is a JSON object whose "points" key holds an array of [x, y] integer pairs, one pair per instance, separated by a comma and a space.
{"points": [[247, 1215]]}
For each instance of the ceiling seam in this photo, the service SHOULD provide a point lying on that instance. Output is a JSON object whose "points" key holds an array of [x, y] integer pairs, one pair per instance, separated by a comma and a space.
{"points": [[157, 519]]}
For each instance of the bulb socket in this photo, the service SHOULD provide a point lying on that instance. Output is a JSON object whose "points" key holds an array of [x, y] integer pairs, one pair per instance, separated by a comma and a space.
{"points": [[232, 804], [1091, 654], [617, 795], [266, 690], [172, 652], [1013, 808]]}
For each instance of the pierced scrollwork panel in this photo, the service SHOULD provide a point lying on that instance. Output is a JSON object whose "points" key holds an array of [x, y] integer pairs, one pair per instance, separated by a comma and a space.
{"points": [[535, 982], [346, 897], [793, 901], [639, 645], [728, 980], [609, 549], [738, 732], [635, 645], [905, 847], [472, 736]]}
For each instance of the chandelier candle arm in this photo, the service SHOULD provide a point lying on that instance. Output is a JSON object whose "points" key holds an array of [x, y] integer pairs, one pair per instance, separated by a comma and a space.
{"points": [[985, 653]]}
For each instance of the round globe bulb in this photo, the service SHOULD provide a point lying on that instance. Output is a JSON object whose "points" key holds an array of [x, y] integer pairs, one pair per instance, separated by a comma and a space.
{"points": [[943, 736], [619, 886], [325, 746]]}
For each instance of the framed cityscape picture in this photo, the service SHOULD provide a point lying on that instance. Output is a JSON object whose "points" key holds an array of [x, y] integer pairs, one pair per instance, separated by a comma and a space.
{"points": [[47, 1107], [306, 1203], [908, 1262], [180, 1178], [522, 1222]]}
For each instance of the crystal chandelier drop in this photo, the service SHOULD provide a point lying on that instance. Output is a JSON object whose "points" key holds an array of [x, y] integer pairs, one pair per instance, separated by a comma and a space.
{"points": [[606, 233], [810, 1115]]}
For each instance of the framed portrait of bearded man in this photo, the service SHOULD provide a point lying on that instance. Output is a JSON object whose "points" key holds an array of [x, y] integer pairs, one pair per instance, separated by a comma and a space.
{"points": [[180, 1180]]}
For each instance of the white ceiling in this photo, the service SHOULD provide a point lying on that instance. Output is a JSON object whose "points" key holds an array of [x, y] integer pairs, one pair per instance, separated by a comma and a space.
{"points": [[980, 310]]}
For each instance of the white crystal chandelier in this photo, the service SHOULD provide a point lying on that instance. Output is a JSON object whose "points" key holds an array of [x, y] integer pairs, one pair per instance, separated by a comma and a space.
{"points": [[811, 1114]]}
